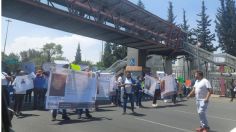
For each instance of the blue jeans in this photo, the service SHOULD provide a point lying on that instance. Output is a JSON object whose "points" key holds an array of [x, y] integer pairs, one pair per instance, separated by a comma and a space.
{"points": [[201, 110], [139, 95], [131, 99]]}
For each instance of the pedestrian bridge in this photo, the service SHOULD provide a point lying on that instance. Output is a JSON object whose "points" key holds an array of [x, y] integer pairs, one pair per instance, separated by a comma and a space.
{"points": [[116, 21]]}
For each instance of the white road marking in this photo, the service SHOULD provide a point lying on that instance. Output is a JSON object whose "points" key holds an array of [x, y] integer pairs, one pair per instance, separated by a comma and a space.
{"points": [[207, 115], [165, 125]]}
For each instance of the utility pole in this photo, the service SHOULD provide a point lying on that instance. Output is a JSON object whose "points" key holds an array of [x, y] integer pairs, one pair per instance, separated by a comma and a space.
{"points": [[8, 21]]}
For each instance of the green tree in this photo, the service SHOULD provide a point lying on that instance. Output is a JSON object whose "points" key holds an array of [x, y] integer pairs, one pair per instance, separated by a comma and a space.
{"points": [[119, 52], [203, 33], [108, 58], [184, 26], [140, 4], [52, 51], [226, 26], [171, 17], [33, 55], [10, 63], [78, 55], [30, 54]]}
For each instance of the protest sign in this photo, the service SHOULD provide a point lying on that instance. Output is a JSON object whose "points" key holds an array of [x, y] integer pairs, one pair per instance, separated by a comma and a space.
{"points": [[74, 89], [150, 85]]}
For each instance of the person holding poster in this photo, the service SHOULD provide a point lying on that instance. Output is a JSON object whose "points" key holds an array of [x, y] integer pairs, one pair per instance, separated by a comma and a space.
{"points": [[157, 92], [169, 87], [57, 88], [39, 82], [18, 84], [139, 91], [129, 85], [80, 111], [202, 90]]}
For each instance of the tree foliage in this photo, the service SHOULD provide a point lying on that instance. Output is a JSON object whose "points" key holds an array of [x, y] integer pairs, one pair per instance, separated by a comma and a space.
{"points": [[171, 17], [203, 33], [226, 26], [78, 55], [140, 4], [52, 51], [184, 26], [112, 53], [10, 63]]}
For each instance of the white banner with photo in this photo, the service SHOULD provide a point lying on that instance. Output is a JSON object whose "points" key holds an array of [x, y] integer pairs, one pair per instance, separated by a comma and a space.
{"points": [[150, 85], [105, 86], [23, 83], [170, 86], [71, 89]]}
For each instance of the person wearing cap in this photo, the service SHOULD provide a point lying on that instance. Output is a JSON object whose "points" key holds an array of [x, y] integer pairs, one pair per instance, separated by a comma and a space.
{"points": [[39, 84]]}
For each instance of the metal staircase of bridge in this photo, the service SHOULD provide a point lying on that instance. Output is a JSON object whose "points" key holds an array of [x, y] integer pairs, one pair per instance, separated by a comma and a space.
{"points": [[217, 59], [117, 66]]}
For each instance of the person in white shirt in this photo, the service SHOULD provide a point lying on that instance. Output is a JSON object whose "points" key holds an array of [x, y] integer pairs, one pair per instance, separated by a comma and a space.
{"points": [[19, 83], [129, 85], [202, 90]]}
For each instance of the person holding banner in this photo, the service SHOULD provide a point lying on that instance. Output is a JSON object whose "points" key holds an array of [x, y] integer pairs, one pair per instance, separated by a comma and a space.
{"points": [[139, 91], [129, 85], [157, 92], [202, 90], [169, 87], [39, 83], [120, 81], [80, 111], [19, 84]]}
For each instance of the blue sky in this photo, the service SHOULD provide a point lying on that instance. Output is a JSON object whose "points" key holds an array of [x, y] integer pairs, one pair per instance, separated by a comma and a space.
{"points": [[23, 36]]}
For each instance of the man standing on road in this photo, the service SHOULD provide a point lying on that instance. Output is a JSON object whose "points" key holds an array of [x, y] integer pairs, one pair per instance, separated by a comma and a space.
{"points": [[129, 85], [203, 90]]}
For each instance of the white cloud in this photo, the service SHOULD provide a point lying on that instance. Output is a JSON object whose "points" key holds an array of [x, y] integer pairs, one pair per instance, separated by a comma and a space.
{"points": [[90, 48]]}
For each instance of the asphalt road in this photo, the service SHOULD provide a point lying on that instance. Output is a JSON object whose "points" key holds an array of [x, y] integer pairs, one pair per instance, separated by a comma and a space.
{"points": [[165, 118]]}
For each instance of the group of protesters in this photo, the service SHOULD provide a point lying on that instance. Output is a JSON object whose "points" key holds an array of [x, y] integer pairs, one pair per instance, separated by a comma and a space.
{"points": [[126, 89], [14, 83]]}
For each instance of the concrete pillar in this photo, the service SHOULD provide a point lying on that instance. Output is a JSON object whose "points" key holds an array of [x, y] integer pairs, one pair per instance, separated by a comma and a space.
{"points": [[136, 57], [132, 57], [142, 55], [168, 66]]}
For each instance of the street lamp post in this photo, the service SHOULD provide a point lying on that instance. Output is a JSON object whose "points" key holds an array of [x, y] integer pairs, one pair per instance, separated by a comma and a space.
{"points": [[198, 60], [8, 21]]}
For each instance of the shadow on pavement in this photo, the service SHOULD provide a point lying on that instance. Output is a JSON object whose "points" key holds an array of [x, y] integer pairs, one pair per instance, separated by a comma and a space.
{"points": [[26, 115], [171, 105], [106, 106], [103, 110], [212, 131], [137, 114], [82, 120]]}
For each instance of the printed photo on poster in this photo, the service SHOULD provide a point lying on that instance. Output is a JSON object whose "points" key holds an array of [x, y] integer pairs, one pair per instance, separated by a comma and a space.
{"points": [[58, 83]]}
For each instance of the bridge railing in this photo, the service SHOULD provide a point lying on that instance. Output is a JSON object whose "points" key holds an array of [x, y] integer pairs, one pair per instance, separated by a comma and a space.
{"points": [[217, 59], [226, 59], [199, 52]]}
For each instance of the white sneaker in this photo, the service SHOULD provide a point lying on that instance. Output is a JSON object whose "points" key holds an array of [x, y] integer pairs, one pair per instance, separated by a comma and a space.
{"points": [[154, 105]]}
